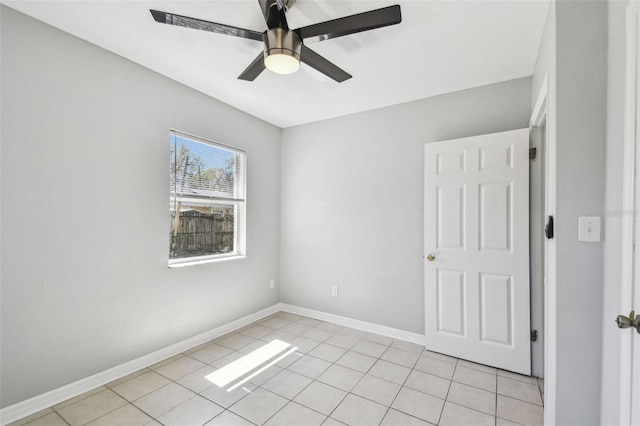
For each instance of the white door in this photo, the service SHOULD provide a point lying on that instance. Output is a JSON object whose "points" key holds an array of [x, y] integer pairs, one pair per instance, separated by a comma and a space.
{"points": [[634, 357], [630, 359], [630, 288], [477, 249]]}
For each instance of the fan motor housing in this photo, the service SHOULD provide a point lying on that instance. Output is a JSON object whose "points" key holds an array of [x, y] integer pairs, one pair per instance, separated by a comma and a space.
{"points": [[283, 42]]}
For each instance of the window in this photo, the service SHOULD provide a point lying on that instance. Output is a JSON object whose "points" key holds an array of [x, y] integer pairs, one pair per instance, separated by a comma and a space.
{"points": [[207, 201]]}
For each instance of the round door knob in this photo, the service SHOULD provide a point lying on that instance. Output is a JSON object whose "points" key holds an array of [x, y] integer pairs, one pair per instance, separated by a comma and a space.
{"points": [[623, 322], [431, 257]]}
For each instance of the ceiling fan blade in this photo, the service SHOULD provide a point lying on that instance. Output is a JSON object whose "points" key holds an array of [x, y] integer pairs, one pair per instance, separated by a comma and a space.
{"points": [[352, 24], [319, 63], [254, 69], [199, 24], [273, 11]]}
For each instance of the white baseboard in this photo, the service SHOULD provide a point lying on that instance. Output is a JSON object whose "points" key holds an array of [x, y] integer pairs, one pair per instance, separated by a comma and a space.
{"points": [[38, 403], [353, 323]]}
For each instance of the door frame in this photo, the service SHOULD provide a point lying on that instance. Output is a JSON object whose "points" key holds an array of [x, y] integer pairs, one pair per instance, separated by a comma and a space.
{"points": [[543, 111], [630, 184], [537, 221]]}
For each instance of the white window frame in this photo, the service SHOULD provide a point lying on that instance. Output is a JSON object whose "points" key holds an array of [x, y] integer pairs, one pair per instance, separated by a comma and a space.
{"points": [[239, 234]]}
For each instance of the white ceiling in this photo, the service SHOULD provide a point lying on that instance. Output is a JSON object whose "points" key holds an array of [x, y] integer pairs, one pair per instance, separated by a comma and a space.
{"points": [[440, 47]]}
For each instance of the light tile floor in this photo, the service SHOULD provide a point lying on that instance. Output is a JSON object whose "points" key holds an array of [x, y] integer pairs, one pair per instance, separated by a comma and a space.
{"points": [[337, 376]]}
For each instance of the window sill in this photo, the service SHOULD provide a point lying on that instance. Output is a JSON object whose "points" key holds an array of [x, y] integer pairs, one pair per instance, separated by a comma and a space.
{"points": [[181, 264]]}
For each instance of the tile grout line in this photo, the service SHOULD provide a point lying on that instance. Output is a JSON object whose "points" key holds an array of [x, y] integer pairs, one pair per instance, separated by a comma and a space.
{"points": [[403, 385], [496, 393], [363, 376], [364, 373], [347, 393], [105, 414], [286, 368], [495, 416], [290, 400], [59, 415], [446, 398], [359, 338]]}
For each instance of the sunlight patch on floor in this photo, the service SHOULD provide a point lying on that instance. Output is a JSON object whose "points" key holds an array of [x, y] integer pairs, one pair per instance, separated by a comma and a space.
{"points": [[238, 368]]}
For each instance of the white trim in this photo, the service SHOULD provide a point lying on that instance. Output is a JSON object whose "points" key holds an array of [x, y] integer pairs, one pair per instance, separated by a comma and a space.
{"points": [[353, 323], [186, 135], [203, 260], [628, 206], [238, 200], [38, 403], [540, 108], [543, 111], [536, 122]]}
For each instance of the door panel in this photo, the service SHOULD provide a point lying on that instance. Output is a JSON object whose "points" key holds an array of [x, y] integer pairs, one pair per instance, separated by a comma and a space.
{"points": [[450, 163], [495, 215], [450, 211], [451, 302], [496, 310], [496, 158], [477, 228]]}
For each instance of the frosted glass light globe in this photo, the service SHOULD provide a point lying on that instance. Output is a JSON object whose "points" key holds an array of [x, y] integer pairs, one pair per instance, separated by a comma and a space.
{"points": [[281, 63]]}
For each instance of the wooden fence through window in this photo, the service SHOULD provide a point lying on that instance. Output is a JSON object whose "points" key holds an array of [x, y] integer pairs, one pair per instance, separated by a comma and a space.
{"points": [[201, 234]]}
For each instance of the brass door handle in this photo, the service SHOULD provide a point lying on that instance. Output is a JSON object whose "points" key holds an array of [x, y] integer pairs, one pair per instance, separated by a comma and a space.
{"points": [[431, 257]]}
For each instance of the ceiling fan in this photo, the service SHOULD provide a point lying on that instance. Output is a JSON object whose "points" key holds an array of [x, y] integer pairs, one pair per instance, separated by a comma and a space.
{"points": [[284, 48]]}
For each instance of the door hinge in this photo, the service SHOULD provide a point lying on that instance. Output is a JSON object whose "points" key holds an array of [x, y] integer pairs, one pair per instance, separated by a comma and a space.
{"points": [[532, 153], [534, 335]]}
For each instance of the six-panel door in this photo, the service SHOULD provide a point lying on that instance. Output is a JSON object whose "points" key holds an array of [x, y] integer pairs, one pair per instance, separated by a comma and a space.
{"points": [[477, 228]]}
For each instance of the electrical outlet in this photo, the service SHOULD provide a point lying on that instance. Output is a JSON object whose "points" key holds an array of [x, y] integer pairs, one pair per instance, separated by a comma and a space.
{"points": [[272, 283], [334, 290]]}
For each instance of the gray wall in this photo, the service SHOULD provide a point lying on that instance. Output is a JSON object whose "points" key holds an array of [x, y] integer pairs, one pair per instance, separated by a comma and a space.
{"points": [[575, 59], [84, 173], [580, 173], [612, 222], [352, 200], [546, 59]]}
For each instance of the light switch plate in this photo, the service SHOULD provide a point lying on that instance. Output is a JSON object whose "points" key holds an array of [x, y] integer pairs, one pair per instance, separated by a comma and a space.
{"points": [[589, 229]]}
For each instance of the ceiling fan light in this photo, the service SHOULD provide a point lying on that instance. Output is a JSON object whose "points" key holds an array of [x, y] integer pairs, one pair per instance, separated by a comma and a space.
{"points": [[282, 63], [282, 51]]}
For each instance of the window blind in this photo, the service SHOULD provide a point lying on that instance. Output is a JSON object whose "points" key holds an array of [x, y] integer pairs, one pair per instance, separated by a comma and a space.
{"points": [[204, 169]]}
